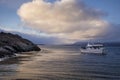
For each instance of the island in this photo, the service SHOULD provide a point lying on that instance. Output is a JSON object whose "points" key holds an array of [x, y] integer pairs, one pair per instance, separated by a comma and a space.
{"points": [[13, 43]]}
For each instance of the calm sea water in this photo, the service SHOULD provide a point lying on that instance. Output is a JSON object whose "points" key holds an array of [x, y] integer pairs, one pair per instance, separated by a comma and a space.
{"points": [[62, 63]]}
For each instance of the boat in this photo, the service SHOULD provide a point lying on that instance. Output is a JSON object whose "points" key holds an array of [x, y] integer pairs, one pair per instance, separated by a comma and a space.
{"points": [[93, 48]]}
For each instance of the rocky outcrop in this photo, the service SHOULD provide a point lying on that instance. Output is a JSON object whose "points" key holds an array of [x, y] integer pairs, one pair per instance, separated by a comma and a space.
{"points": [[10, 44]]}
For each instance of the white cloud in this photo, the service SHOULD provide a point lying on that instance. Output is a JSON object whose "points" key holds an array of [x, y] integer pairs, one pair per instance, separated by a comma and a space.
{"points": [[67, 19]]}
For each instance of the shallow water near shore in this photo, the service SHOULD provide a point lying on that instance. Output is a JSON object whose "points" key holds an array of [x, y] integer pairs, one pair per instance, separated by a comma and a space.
{"points": [[62, 63]]}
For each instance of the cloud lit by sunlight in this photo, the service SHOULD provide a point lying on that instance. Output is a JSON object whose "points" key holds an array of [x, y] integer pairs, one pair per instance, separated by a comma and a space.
{"points": [[70, 20]]}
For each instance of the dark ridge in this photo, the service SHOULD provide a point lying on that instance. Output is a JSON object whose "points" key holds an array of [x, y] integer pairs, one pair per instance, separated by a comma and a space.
{"points": [[13, 43]]}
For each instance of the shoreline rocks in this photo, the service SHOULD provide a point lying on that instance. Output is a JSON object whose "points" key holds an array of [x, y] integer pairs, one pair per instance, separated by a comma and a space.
{"points": [[11, 43]]}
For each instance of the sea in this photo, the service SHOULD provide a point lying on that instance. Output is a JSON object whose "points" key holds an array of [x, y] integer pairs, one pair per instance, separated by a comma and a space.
{"points": [[57, 62]]}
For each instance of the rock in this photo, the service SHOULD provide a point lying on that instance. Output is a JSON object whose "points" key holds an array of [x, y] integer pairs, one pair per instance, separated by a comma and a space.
{"points": [[11, 43]]}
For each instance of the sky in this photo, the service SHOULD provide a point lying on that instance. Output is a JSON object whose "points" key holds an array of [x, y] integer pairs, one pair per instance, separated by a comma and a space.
{"points": [[61, 21]]}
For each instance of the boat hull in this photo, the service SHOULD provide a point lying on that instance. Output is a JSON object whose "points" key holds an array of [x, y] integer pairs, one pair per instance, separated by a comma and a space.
{"points": [[94, 51]]}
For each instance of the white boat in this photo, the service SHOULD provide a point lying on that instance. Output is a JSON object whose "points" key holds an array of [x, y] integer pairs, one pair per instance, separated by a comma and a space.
{"points": [[93, 48]]}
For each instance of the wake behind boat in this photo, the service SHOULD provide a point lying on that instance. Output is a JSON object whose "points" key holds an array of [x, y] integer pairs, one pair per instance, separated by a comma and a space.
{"points": [[93, 48]]}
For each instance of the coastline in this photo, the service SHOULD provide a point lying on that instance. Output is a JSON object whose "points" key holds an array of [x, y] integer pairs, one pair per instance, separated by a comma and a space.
{"points": [[15, 55], [10, 44]]}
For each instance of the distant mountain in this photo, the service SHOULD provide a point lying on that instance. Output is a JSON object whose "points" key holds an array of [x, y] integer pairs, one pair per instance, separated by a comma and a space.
{"points": [[112, 44], [11, 43], [107, 44]]}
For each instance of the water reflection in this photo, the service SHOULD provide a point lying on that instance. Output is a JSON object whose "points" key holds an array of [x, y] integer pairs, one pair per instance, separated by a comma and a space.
{"points": [[61, 63]]}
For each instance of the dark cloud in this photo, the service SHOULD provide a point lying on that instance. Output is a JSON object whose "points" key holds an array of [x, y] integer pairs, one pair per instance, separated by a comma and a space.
{"points": [[112, 33], [35, 39]]}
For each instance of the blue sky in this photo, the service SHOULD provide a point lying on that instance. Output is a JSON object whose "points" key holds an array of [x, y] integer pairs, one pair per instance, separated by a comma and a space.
{"points": [[111, 7], [11, 20]]}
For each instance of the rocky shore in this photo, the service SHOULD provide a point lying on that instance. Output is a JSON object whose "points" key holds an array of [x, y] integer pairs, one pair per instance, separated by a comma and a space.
{"points": [[11, 44]]}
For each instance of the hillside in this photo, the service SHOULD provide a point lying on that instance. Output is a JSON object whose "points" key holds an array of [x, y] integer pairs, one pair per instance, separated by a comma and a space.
{"points": [[10, 44]]}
